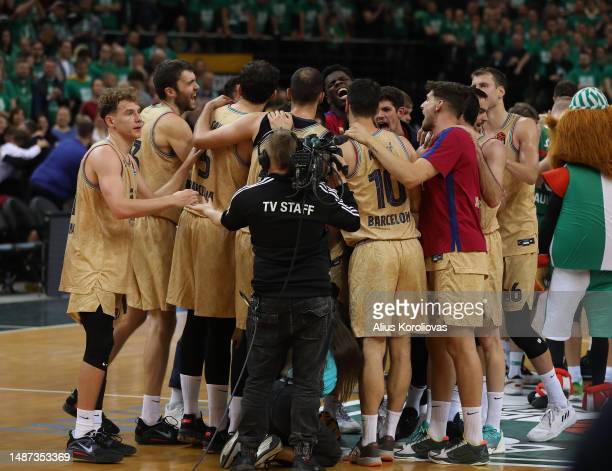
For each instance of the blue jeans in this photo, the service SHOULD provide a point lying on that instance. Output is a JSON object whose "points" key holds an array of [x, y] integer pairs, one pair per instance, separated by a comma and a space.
{"points": [[302, 325]]}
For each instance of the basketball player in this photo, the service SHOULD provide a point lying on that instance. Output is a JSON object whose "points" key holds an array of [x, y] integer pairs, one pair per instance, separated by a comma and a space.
{"points": [[494, 155], [306, 94], [392, 114], [96, 263], [203, 276], [336, 79], [518, 228], [387, 258], [456, 262]]}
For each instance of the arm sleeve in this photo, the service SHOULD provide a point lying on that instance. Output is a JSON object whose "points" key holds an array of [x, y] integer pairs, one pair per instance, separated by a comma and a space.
{"points": [[443, 154], [19, 153], [343, 213], [236, 215]]}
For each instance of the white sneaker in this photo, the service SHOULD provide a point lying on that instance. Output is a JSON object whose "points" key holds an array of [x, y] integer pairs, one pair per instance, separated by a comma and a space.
{"points": [[176, 413], [555, 420], [345, 422], [514, 386]]}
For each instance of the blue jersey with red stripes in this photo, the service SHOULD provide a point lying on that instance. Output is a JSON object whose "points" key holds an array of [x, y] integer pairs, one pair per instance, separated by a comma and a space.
{"points": [[450, 216]]}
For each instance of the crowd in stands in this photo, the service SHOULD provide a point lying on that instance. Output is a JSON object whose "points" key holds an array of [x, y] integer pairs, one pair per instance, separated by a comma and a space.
{"points": [[57, 57]]}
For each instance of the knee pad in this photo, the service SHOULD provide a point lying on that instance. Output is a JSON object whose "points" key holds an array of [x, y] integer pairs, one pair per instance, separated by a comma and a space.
{"points": [[532, 346], [98, 347]]}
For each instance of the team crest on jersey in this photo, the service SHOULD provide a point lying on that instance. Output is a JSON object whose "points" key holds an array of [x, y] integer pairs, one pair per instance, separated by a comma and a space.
{"points": [[501, 136]]}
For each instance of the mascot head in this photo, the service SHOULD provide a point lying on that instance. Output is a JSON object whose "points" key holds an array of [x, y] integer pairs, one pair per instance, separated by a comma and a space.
{"points": [[583, 134]]}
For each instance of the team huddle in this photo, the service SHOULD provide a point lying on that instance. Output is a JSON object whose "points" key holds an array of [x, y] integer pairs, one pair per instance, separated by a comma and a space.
{"points": [[450, 209]]}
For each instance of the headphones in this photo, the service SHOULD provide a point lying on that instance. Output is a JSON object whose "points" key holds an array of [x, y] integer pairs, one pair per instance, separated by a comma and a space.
{"points": [[262, 155]]}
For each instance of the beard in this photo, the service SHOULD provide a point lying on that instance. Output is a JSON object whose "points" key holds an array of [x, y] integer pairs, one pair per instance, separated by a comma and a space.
{"points": [[428, 123], [183, 103]]}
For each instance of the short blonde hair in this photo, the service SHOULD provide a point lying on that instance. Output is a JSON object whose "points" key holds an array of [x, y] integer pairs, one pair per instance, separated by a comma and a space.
{"points": [[280, 146], [111, 97]]}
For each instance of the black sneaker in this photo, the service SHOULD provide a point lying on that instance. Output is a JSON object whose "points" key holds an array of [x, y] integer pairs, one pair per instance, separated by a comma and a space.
{"points": [[91, 448], [70, 408], [230, 451], [268, 449], [454, 429], [115, 443], [161, 433], [421, 449], [218, 441], [462, 453], [192, 429], [304, 461], [407, 423], [245, 460]]}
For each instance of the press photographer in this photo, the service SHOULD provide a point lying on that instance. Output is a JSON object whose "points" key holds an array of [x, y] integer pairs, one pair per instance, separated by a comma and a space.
{"points": [[292, 307]]}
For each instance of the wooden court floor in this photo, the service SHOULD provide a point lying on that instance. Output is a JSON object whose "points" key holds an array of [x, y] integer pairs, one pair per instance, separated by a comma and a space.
{"points": [[38, 367]]}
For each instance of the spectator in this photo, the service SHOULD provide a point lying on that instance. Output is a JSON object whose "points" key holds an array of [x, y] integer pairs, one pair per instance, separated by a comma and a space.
{"points": [[64, 60], [310, 14], [516, 67], [90, 107], [8, 50], [26, 15], [159, 43], [59, 21], [132, 44], [22, 85], [260, 16], [3, 125], [48, 91], [43, 130], [110, 80], [138, 63], [374, 16], [108, 11], [585, 74], [556, 69], [37, 59], [234, 18], [430, 19], [179, 43], [204, 16], [104, 64], [7, 93], [12, 153], [16, 117], [88, 28], [56, 178], [283, 18], [120, 63], [62, 129], [77, 89], [137, 80], [207, 82]]}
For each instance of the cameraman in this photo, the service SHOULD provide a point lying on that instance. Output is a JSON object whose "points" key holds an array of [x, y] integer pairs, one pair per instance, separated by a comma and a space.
{"points": [[292, 306]]}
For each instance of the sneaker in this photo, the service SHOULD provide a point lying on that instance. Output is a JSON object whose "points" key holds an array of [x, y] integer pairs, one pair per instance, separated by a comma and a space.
{"points": [[366, 455], [245, 460], [229, 452], [304, 459], [407, 423], [268, 449], [192, 429], [386, 447], [175, 412], [494, 438], [91, 448], [346, 423], [70, 407], [419, 450], [163, 432], [454, 429], [462, 453], [554, 421], [218, 441], [115, 443], [514, 386]]}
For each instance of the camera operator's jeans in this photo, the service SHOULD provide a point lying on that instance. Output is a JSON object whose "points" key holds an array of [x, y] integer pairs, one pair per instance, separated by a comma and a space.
{"points": [[304, 326]]}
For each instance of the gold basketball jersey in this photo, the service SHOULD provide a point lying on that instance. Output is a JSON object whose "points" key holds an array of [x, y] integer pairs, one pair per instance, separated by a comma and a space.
{"points": [[156, 166], [518, 223], [219, 173], [488, 215], [99, 244], [384, 206]]}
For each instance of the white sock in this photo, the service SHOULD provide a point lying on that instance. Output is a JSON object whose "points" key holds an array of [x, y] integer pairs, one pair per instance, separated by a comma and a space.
{"points": [[176, 398], [427, 415], [553, 388], [608, 374], [455, 403], [97, 419], [235, 414], [575, 373], [217, 401], [392, 421], [495, 402], [516, 360], [84, 423], [439, 414], [472, 425], [413, 399], [151, 409], [484, 405], [190, 385], [368, 426]]}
